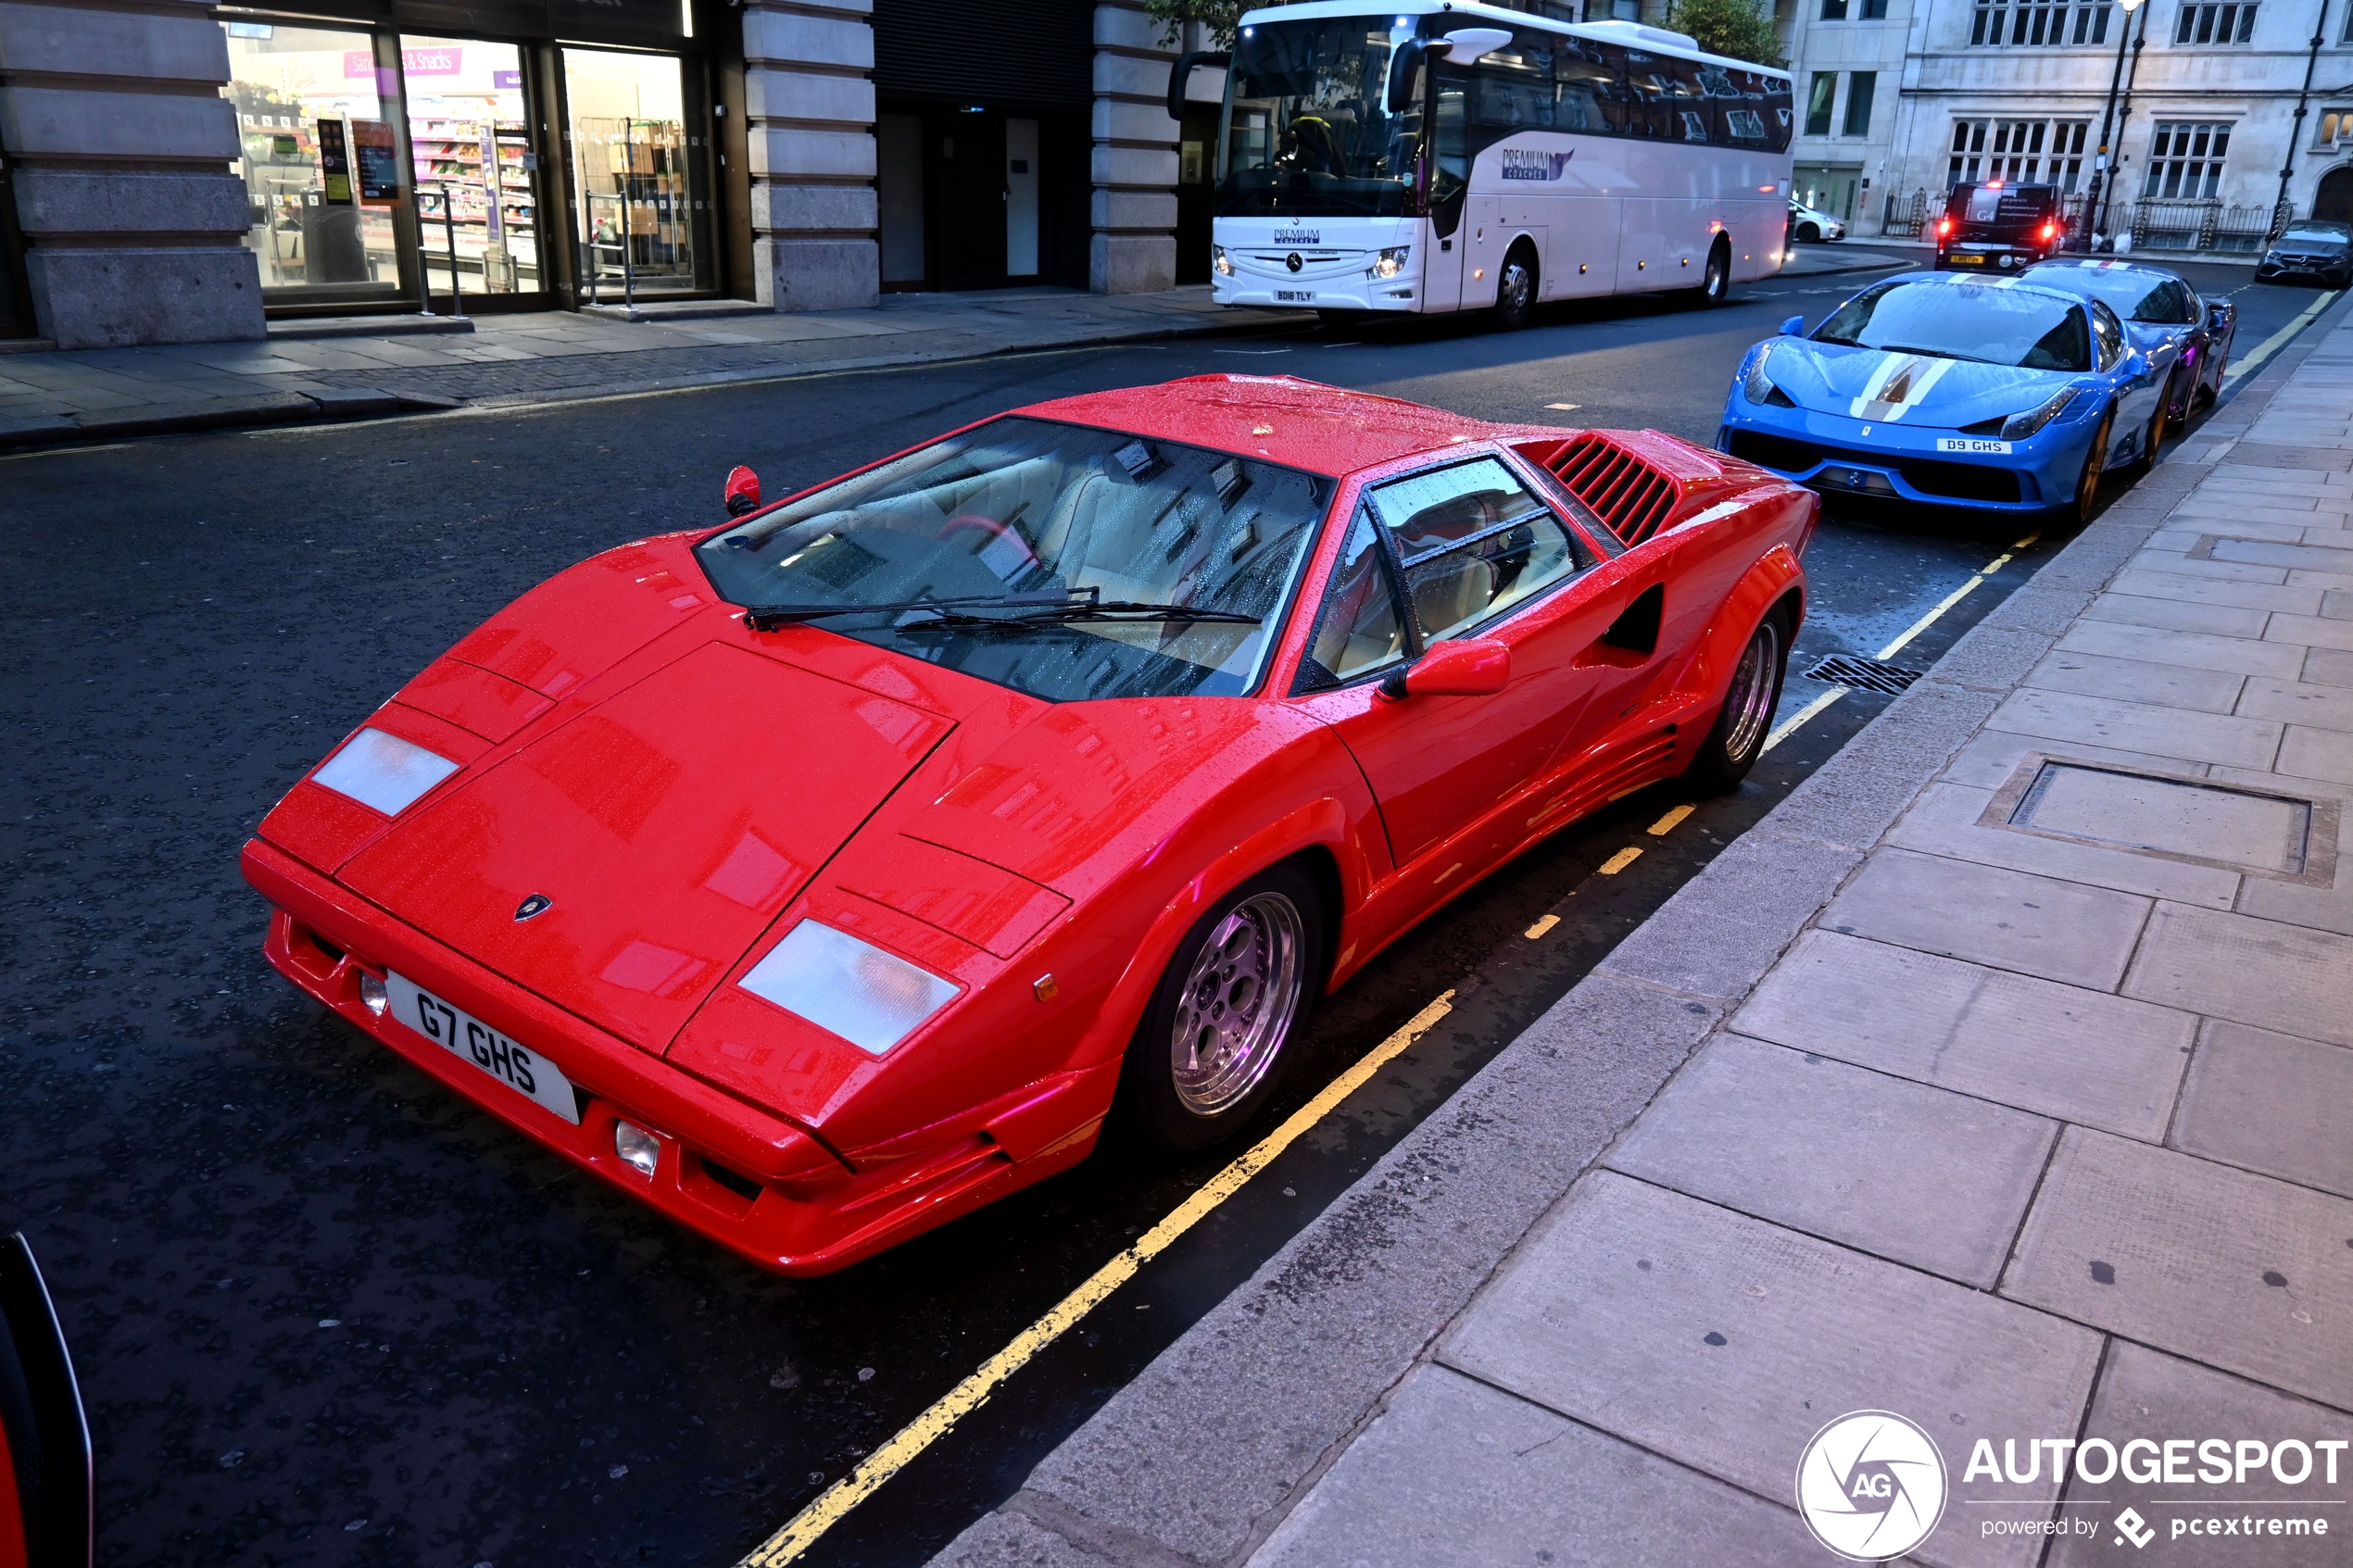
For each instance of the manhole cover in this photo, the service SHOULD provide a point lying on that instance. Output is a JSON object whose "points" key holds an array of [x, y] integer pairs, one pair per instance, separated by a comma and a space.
{"points": [[1845, 670], [2212, 824]]}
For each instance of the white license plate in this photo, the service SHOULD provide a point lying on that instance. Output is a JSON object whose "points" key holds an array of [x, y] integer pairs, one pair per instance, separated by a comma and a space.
{"points": [[1296, 296], [480, 1047], [1969, 443]]}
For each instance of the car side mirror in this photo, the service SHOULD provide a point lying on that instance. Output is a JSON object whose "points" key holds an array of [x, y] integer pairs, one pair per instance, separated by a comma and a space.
{"points": [[1793, 327], [1460, 667], [743, 491]]}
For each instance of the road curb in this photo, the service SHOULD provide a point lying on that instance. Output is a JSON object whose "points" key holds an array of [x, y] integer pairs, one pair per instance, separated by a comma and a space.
{"points": [[346, 403], [1201, 1456]]}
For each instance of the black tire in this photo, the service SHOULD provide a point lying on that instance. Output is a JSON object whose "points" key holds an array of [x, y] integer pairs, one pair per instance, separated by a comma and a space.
{"points": [[2153, 438], [2080, 505], [1737, 738], [1515, 284], [1716, 279], [1809, 235], [1184, 1085]]}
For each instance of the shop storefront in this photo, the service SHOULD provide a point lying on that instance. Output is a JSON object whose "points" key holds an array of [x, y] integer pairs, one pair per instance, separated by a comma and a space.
{"points": [[513, 153]]}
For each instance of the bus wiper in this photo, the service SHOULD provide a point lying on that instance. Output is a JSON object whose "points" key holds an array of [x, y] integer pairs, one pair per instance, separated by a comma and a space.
{"points": [[1115, 611], [769, 617]]}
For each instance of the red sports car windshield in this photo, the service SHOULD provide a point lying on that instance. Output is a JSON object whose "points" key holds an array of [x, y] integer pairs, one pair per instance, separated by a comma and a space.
{"points": [[1039, 534]]}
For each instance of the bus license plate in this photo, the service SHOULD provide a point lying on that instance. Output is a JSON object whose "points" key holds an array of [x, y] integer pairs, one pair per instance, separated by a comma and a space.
{"points": [[1295, 297], [480, 1047], [1967, 443]]}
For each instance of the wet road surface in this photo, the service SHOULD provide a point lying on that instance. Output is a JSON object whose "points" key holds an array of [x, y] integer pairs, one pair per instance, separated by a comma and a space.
{"points": [[326, 1314]]}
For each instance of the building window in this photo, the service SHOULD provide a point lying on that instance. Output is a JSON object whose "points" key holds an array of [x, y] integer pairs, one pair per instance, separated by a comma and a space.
{"points": [[1860, 85], [1874, 10], [2050, 23], [2023, 152], [1834, 10], [1818, 94], [2185, 161], [2231, 23], [2336, 125]]}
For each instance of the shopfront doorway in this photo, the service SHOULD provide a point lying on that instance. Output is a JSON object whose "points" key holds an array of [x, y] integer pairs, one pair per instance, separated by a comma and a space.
{"points": [[392, 167]]}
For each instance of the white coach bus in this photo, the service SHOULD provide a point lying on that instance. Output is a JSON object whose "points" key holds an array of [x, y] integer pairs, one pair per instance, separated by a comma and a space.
{"points": [[1437, 157]]}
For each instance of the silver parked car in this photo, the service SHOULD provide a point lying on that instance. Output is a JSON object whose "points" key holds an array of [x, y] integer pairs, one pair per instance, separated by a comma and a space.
{"points": [[1811, 226]]}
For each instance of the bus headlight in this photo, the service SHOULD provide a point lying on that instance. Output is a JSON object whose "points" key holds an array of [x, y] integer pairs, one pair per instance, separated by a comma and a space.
{"points": [[1223, 263], [1392, 262]]}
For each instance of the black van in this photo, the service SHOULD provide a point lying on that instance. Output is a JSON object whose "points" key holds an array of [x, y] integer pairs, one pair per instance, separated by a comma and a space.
{"points": [[1996, 227]]}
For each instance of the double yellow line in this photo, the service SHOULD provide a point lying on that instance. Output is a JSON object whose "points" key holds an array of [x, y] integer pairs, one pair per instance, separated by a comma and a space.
{"points": [[835, 1502]]}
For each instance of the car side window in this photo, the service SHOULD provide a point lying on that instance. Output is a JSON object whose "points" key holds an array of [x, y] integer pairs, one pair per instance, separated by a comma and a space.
{"points": [[2108, 334], [1359, 630], [1473, 543]]}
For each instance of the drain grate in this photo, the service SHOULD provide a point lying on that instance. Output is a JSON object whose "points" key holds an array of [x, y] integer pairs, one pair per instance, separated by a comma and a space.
{"points": [[1844, 670]]}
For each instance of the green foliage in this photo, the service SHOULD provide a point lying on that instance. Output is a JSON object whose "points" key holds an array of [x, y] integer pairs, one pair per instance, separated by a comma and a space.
{"points": [[1734, 28], [1220, 17]]}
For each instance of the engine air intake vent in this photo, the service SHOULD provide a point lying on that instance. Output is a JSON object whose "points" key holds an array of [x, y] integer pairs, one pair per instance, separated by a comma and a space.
{"points": [[1844, 669], [1625, 491]]}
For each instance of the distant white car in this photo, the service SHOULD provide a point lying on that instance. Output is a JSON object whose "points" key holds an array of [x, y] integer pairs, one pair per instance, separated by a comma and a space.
{"points": [[1811, 226]]}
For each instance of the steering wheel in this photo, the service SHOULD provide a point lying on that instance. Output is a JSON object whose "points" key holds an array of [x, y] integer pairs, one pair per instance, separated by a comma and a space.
{"points": [[989, 525]]}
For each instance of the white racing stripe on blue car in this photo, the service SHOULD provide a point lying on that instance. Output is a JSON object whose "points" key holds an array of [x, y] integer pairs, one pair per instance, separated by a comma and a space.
{"points": [[1897, 386]]}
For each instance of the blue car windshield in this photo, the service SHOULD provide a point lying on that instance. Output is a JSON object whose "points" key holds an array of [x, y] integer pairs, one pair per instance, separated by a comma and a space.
{"points": [[2133, 294], [1982, 321]]}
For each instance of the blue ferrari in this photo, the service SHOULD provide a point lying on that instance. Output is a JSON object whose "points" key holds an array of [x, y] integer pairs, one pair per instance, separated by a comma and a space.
{"points": [[2165, 318], [1989, 394]]}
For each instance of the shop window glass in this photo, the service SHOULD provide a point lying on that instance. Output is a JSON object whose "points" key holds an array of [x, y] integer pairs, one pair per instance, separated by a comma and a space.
{"points": [[476, 170], [636, 174], [318, 157]]}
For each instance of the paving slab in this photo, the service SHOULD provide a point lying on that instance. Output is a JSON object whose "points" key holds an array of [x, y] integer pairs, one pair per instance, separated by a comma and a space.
{"points": [[1949, 819], [2241, 1271], [1880, 1163], [2036, 925], [2197, 650], [1007, 1540], [1457, 1475], [2298, 702], [2136, 680], [2270, 1103], [2199, 590], [2312, 631], [2058, 1051], [1725, 1343], [2316, 754], [2329, 667], [2261, 972], [2155, 1398], [1989, 759], [2173, 561], [2140, 726], [2178, 615]]}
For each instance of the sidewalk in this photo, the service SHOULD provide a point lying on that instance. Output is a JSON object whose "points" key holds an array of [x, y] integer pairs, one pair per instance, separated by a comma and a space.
{"points": [[364, 366], [309, 369], [1998, 1079]]}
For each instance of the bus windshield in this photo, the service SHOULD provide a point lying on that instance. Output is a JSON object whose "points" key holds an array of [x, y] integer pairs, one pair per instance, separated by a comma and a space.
{"points": [[1309, 133]]}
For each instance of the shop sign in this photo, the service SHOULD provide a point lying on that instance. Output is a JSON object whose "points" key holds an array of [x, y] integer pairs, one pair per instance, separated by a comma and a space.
{"points": [[334, 162], [415, 62], [372, 146]]}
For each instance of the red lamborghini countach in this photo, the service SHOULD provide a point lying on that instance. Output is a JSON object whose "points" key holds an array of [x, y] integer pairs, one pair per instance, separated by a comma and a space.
{"points": [[828, 874]]}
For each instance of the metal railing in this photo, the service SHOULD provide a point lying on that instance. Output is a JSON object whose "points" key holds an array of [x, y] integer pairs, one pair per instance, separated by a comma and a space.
{"points": [[2194, 226], [1903, 216]]}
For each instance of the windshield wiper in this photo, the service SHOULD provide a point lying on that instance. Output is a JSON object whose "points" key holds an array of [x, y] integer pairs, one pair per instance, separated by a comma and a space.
{"points": [[1933, 353], [769, 617], [1116, 611]]}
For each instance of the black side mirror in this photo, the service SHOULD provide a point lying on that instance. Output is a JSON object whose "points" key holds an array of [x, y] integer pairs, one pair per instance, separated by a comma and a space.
{"points": [[1405, 74], [743, 491], [1182, 72]]}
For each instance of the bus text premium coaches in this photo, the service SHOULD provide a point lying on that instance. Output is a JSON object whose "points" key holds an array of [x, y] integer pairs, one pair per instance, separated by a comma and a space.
{"points": [[1464, 157]]}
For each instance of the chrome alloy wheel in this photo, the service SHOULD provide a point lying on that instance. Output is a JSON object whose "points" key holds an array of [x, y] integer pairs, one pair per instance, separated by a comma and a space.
{"points": [[1516, 290], [1749, 701], [1238, 1004]]}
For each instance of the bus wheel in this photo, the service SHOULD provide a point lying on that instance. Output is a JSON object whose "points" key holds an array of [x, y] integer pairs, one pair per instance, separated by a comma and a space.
{"points": [[1516, 289], [1715, 283]]}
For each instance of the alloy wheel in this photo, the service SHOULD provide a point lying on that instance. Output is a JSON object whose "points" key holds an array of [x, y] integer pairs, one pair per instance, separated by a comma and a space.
{"points": [[1515, 293], [1750, 700], [1238, 1004]]}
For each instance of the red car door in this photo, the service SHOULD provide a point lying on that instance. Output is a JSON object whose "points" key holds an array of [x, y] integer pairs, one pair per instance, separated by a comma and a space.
{"points": [[1473, 553]]}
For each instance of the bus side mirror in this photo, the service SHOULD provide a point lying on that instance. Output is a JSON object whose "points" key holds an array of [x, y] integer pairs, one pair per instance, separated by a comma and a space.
{"points": [[1793, 327], [743, 491], [1469, 45], [1405, 74], [1181, 74]]}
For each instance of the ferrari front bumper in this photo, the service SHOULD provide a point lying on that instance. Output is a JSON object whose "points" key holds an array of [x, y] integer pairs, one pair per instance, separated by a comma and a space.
{"points": [[754, 1182]]}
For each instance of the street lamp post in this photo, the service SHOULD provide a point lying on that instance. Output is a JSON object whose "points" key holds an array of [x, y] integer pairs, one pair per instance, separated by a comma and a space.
{"points": [[2102, 166]]}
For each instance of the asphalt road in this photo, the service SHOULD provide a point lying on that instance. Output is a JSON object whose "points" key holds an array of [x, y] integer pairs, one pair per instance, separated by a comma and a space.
{"points": [[326, 1314]]}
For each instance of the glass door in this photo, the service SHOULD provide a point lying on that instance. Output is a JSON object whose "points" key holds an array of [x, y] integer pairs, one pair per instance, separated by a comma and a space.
{"points": [[476, 169], [318, 153], [637, 175]]}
